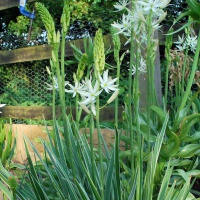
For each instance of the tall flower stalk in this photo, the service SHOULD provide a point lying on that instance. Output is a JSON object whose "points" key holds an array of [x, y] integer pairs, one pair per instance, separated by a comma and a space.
{"points": [[130, 105], [150, 76], [99, 67], [142, 20], [54, 41], [168, 45], [117, 46]]}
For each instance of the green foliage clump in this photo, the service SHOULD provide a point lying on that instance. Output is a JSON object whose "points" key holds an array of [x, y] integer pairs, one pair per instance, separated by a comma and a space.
{"points": [[20, 26]]}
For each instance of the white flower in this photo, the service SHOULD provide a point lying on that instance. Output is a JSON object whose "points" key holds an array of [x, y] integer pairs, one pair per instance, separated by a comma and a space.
{"points": [[2, 105], [125, 26], [191, 41], [55, 82], [180, 44], [88, 103], [86, 83], [183, 43], [93, 108], [133, 70], [142, 68], [86, 107], [77, 88], [91, 93], [181, 40], [154, 5], [107, 83], [181, 47], [121, 5]]}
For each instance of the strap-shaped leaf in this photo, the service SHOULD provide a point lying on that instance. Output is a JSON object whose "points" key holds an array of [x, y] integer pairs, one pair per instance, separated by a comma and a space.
{"points": [[187, 123], [194, 6], [188, 151]]}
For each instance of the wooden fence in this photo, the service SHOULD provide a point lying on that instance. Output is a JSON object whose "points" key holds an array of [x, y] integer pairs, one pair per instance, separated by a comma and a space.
{"points": [[45, 112]]}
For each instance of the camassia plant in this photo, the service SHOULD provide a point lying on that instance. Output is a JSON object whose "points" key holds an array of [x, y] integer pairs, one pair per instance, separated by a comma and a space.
{"points": [[71, 167]]}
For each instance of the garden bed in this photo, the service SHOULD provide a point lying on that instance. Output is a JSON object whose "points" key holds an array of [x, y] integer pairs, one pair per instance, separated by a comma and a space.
{"points": [[34, 132]]}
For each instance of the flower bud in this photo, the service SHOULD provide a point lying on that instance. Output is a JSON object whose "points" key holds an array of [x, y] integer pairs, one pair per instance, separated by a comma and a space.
{"points": [[84, 107], [81, 66], [58, 37], [113, 97], [48, 70], [54, 37], [53, 56]]}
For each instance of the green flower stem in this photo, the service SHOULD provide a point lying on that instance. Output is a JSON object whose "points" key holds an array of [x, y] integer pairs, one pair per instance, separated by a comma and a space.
{"points": [[92, 146], [54, 94], [192, 75], [130, 101], [77, 110], [136, 117], [150, 78], [183, 73], [168, 45], [63, 60], [167, 79], [100, 148], [117, 99], [63, 106]]}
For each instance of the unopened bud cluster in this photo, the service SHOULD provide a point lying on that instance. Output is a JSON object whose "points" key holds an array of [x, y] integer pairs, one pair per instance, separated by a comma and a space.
{"points": [[116, 42], [47, 20], [65, 18], [99, 54], [81, 66]]}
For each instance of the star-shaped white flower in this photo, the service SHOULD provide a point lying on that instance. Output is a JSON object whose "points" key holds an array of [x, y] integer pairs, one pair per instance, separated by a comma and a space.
{"points": [[191, 41], [181, 40], [77, 88], [50, 87], [89, 96], [121, 5], [125, 26], [91, 92], [107, 83], [155, 6], [142, 68]]}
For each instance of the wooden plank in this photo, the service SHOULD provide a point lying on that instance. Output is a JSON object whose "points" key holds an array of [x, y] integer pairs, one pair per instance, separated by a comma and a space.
{"points": [[42, 52], [5, 4], [45, 112], [29, 112]]}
